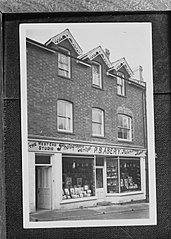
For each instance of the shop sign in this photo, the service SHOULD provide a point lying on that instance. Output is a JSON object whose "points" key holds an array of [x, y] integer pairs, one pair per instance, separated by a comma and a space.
{"points": [[54, 147]]}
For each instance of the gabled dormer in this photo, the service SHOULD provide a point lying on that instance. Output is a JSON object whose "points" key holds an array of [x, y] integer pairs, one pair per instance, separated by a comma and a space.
{"points": [[94, 53], [122, 65], [60, 38]]}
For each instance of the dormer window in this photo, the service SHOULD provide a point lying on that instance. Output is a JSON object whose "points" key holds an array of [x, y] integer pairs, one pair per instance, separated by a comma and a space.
{"points": [[96, 75], [64, 68], [120, 84]]}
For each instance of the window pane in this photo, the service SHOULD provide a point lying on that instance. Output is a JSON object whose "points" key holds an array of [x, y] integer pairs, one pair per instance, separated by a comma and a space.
{"points": [[68, 123], [96, 75], [97, 115], [112, 175], [130, 175], [77, 177], [60, 108], [61, 123], [97, 129], [68, 110], [125, 122], [42, 159]]}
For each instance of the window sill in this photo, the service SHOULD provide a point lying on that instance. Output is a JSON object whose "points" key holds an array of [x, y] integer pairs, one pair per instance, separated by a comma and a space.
{"points": [[97, 87], [123, 96], [65, 77], [63, 132], [96, 136], [123, 194], [66, 201], [125, 141]]}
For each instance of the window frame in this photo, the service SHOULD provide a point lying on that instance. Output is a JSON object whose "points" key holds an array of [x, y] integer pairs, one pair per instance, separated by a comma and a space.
{"points": [[98, 123], [121, 84], [99, 85], [130, 129], [70, 130], [64, 52]]}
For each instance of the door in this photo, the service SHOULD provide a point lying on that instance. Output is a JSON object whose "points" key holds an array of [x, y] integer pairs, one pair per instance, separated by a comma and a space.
{"points": [[43, 187], [100, 192]]}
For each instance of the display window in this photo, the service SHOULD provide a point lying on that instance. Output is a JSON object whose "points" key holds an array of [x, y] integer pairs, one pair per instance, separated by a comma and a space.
{"points": [[130, 177], [112, 175], [123, 175], [78, 177]]}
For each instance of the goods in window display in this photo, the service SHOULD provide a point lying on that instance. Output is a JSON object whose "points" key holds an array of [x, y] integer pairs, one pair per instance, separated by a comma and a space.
{"points": [[78, 179], [112, 176], [130, 175]]}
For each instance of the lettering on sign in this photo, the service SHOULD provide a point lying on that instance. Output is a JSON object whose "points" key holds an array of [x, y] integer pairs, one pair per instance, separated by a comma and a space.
{"points": [[44, 146]]}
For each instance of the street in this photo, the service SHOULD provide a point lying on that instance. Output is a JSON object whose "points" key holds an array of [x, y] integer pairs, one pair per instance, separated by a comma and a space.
{"points": [[129, 211]]}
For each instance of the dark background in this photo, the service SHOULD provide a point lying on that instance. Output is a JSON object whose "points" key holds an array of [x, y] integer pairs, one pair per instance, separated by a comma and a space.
{"points": [[11, 165]]}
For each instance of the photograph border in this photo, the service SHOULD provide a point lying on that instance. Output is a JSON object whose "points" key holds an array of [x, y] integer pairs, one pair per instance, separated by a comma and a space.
{"points": [[151, 154]]}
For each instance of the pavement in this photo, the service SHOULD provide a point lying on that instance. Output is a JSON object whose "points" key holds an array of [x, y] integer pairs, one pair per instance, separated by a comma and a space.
{"points": [[125, 211]]}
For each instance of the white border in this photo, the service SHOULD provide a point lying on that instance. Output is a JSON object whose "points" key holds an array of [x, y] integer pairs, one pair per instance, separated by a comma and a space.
{"points": [[25, 178]]}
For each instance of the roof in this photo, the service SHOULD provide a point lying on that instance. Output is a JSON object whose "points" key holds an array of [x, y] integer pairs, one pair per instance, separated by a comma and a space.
{"points": [[66, 34], [116, 65], [94, 53]]}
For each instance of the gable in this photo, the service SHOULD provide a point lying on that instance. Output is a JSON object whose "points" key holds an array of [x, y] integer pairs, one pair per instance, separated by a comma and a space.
{"points": [[65, 35], [98, 51], [117, 65]]}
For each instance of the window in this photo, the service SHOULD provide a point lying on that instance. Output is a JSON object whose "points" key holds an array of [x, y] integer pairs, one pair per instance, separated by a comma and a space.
{"points": [[77, 177], [97, 122], [124, 127], [64, 64], [64, 116], [112, 175], [120, 84], [96, 75], [129, 179]]}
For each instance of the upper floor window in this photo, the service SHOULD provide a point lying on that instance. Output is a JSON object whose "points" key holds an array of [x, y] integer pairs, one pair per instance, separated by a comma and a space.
{"points": [[64, 116], [120, 84], [124, 127], [64, 68], [96, 75], [97, 122]]}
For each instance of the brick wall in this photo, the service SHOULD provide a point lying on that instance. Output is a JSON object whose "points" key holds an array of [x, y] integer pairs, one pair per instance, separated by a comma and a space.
{"points": [[45, 87]]}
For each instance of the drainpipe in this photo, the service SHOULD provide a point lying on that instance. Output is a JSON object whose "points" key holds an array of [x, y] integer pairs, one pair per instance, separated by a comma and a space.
{"points": [[144, 105]]}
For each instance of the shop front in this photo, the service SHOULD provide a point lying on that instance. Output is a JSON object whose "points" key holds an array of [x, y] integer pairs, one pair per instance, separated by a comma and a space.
{"points": [[71, 175]]}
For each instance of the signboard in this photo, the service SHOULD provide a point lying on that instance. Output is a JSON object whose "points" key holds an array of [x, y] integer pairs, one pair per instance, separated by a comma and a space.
{"points": [[54, 147]]}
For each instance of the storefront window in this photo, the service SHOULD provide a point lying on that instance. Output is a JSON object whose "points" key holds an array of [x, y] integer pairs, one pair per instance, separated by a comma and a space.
{"points": [[130, 179], [130, 176], [112, 175], [78, 177]]}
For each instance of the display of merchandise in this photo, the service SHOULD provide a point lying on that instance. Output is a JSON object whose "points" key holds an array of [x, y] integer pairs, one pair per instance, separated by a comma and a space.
{"points": [[112, 176]]}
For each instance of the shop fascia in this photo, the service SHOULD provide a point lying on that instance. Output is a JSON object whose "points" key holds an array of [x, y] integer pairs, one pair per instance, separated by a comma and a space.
{"points": [[88, 149]]}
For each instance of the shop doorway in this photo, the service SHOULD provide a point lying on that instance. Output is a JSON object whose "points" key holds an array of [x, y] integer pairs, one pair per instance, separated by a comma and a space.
{"points": [[43, 187], [100, 190]]}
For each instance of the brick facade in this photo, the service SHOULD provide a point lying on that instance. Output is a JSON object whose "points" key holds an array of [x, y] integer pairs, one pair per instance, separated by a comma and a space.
{"points": [[45, 87]]}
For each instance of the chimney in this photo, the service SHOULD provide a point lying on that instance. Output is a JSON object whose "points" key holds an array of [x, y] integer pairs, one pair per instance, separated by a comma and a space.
{"points": [[107, 52], [138, 73]]}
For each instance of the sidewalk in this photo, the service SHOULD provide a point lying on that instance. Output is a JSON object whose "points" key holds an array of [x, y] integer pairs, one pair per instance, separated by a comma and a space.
{"points": [[97, 212]]}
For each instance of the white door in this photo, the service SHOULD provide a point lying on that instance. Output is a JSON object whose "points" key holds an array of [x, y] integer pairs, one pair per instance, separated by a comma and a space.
{"points": [[100, 191], [43, 187]]}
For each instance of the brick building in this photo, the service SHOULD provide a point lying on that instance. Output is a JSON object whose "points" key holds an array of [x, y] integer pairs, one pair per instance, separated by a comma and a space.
{"points": [[86, 126]]}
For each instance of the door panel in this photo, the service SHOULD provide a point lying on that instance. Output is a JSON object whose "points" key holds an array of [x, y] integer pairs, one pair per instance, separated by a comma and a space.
{"points": [[43, 187]]}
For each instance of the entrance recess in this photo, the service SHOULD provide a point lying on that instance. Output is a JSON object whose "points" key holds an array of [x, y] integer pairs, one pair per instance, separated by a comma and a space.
{"points": [[43, 187], [100, 191]]}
